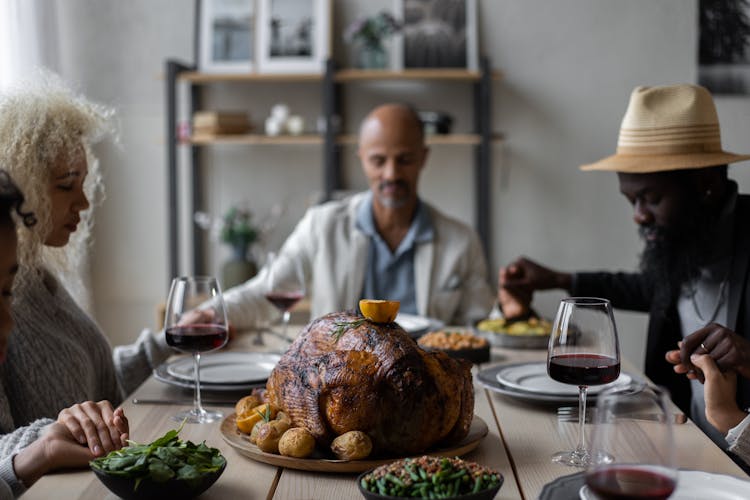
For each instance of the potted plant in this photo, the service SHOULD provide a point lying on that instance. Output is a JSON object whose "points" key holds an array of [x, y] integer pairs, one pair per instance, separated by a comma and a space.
{"points": [[238, 229], [368, 34]]}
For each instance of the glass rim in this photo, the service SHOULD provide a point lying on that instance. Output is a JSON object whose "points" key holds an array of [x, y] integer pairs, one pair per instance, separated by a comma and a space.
{"points": [[587, 301], [200, 277]]}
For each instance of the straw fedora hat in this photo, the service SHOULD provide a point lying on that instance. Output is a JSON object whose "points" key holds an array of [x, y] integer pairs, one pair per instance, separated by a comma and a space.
{"points": [[668, 128]]}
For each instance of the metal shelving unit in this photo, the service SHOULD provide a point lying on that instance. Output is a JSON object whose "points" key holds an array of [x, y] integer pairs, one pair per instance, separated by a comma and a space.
{"points": [[331, 82]]}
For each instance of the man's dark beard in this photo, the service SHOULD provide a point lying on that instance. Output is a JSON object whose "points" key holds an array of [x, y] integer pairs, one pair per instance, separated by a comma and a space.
{"points": [[677, 253]]}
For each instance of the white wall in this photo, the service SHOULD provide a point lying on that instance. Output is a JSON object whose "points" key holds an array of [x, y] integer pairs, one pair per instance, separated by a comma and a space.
{"points": [[569, 67]]}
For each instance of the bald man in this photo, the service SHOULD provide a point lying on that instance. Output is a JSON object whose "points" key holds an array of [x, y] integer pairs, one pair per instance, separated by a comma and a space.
{"points": [[384, 243]]}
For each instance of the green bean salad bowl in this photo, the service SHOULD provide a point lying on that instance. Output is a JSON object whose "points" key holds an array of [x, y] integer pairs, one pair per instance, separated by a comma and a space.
{"points": [[430, 477]]}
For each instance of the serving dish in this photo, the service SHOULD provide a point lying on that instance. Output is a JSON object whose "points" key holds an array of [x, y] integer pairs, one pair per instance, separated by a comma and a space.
{"points": [[123, 487], [439, 341], [324, 463], [530, 334], [405, 477]]}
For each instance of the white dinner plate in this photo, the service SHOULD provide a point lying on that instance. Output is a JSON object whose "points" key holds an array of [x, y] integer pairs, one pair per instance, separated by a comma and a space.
{"points": [[488, 378], [698, 485], [417, 326], [533, 378], [226, 367]]}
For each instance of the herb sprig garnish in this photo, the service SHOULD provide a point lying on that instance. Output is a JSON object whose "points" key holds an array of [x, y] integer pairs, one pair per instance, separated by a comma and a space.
{"points": [[266, 415], [341, 327]]}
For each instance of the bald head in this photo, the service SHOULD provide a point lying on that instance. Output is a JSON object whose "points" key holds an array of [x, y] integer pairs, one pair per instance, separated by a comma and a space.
{"points": [[399, 119], [392, 152]]}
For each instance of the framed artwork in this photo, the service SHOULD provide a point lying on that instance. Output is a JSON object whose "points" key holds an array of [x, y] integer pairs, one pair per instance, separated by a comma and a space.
{"points": [[293, 36], [226, 35], [724, 46], [438, 34]]}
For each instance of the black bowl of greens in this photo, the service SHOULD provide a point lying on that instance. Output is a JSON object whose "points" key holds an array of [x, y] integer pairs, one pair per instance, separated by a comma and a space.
{"points": [[165, 468], [430, 477]]}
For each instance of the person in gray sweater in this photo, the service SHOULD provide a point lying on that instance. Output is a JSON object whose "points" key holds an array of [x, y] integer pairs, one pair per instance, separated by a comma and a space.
{"points": [[57, 447], [59, 367]]}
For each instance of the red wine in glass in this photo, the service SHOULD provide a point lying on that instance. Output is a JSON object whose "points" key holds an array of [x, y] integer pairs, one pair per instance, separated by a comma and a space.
{"points": [[197, 337], [630, 482], [584, 369], [583, 351], [284, 301]]}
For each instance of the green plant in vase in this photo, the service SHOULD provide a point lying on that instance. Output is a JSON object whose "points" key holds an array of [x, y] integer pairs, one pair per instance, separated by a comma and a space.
{"points": [[368, 34], [238, 229]]}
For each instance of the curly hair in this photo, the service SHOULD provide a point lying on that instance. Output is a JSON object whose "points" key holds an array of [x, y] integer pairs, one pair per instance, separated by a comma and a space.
{"points": [[11, 201], [42, 121]]}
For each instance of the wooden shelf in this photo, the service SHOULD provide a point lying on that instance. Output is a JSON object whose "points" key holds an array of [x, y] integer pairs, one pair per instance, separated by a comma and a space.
{"points": [[198, 77], [434, 140], [312, 139], [344, 75], [350, 75], [290, 140]]}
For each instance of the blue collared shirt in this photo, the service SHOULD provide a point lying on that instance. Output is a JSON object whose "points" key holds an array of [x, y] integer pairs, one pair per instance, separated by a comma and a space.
{"points": [[390, 275]]}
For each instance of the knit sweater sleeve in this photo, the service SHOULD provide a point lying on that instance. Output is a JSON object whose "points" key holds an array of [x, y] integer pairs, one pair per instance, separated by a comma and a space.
{"points": [[135, 362], [12, 443]]}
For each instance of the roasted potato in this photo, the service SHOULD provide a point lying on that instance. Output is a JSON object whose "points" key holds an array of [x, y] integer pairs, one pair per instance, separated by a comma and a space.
{"points": [[352, 445], [254, 433], [246, 404], [269, 434], [297, 442]]}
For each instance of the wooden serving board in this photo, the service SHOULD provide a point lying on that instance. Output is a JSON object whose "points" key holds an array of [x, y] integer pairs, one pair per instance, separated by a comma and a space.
{"points": [[241, 443]]}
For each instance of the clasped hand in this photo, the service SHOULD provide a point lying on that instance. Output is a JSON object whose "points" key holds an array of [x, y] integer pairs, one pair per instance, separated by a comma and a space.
{"points": [[730, 351]]}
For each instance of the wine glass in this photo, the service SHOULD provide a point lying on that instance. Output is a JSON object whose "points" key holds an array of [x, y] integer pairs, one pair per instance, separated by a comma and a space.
{"points": [[196, 322], [631, 457], [583, 351], [285, 285]]}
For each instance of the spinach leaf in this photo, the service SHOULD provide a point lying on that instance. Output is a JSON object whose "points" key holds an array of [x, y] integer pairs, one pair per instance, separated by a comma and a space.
{"points": [[161, 460]]}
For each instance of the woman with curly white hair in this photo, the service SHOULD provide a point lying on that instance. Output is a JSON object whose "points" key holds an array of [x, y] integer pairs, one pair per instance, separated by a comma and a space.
{"points": [[57, 355]]}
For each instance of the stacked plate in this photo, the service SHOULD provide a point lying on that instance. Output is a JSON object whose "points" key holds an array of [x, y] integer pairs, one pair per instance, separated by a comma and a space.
{"points": [[221, 371], [416, 326], [529, 381]]}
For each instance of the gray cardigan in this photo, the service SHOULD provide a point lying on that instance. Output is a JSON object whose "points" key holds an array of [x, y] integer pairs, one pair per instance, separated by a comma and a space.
{"points": [[58, 356]]}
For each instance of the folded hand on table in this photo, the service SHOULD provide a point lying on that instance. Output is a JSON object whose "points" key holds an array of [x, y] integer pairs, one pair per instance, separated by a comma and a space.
{"points": [[81, 433], [96, 425]]}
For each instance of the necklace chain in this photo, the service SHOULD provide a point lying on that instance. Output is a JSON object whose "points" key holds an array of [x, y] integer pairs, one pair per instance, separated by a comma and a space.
{"points": [[719, 300]]}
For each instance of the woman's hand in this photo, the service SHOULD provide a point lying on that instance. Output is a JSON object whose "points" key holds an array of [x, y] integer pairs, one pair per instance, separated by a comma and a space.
{"points": [[96, 425], [729, 350], [720, 390], [55, 449]]}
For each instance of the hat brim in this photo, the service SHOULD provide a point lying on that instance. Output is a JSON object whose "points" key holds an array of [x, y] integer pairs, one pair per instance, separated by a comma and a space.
{"points": [[643, 164]]}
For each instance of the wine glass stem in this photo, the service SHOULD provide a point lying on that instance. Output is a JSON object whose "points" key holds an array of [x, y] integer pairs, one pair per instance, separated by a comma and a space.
{"points": [[581, 448], [285, 323], [197, 394]]}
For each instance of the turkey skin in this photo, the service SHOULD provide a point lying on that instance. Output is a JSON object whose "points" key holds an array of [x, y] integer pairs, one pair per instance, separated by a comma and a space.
{"points": [[347, 373]]}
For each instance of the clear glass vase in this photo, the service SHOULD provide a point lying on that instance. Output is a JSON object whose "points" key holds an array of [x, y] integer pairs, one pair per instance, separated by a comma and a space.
{"points": [[372, 56]]}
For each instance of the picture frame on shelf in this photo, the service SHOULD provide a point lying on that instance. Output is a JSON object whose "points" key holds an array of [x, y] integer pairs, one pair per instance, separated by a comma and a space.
{"points": [[437, 34], [293, 36], [226, 35]]}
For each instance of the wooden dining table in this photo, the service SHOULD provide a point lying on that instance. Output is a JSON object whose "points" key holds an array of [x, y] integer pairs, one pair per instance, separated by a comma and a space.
{"points": [[521, 439]]}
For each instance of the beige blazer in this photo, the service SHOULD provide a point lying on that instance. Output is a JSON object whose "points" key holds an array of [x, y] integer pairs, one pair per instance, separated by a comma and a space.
{"points": [[450, 272]]}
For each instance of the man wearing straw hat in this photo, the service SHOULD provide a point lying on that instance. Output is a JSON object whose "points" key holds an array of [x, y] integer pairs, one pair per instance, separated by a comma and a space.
{"points": [[693, 277]]}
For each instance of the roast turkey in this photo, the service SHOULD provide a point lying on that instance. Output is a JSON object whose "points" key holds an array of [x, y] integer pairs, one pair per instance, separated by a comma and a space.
{"points": [[346, 373]]}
